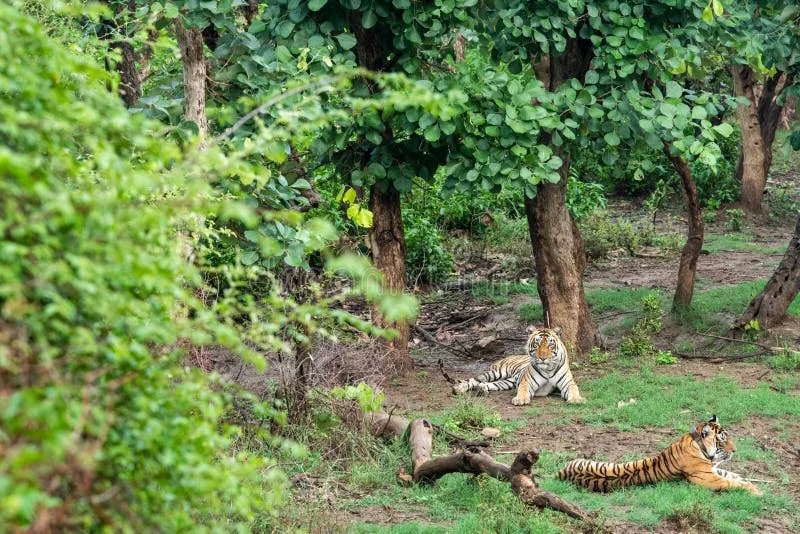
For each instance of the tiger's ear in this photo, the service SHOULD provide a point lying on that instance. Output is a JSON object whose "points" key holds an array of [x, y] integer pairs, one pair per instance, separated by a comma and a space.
{"points": [[713, 419], [531, 329], [706, 430], [558, 331]]}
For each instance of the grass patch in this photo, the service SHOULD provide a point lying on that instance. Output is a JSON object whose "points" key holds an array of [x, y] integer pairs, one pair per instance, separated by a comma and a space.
{"points": [[738, 242], [501, 292], [669, 401], [604, 300]]}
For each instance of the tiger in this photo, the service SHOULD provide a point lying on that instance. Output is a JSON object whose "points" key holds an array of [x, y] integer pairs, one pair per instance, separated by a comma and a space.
{"points": [[694, 457], [544, 368]]}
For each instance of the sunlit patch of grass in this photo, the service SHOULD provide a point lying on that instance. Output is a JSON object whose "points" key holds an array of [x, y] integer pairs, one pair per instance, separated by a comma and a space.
{"points": [[466, 504], [739, 242], [628, 299], [504, 289], [531, 313]]}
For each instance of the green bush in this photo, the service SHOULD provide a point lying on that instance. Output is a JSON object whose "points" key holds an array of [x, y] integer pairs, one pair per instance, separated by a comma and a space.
{"points": [[638, 345], [100, 422], [584, 198], [640, 170], [427, 260], [102, 426], [602, 235]]}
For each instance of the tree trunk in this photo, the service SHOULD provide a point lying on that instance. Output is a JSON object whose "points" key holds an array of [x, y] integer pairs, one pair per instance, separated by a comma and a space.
{"points": [[694, 238], [560, 262], [130, 75], [194, 75], [758, 123], [386, 237], [557, 242], [769, 307], [388, 245]]}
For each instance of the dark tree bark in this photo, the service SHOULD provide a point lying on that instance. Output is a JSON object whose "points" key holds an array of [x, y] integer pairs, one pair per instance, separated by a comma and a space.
{"points": [[133, 66], [694, 238], [557, 243], [758, 123], [388, 245], [769, 307], [194, 75], [386, 237]]}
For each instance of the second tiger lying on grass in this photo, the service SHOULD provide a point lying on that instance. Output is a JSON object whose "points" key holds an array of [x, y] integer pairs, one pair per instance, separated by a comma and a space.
{"points": [[543, 369], [694, 456]]}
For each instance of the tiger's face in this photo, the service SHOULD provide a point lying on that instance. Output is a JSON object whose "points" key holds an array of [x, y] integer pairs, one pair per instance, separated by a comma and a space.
{"points": [[719, 445], [545, 348]]}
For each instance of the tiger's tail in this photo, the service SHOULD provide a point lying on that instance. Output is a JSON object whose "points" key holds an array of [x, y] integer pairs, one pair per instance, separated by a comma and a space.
{"points": [[608, 476]]}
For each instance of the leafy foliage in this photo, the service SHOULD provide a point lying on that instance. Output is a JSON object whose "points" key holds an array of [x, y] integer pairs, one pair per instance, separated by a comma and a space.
{"points": [[102, 425], [427, 259]]}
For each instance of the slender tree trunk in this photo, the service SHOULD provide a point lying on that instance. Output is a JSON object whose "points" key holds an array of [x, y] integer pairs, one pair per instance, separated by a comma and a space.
{"points": [[758, 123], [194, 75], [769, 307], [694, 239], [386, 237], [557, 243], [388, 245]]}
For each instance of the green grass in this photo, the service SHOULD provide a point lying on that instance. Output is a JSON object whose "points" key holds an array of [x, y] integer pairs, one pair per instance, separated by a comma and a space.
{"points": [[711, 310], [500, 293], [739, 242], [677, 402], [466, 504]]}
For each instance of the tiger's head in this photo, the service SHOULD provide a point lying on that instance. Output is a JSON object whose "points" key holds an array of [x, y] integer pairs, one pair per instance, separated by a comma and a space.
{"points": [[545, 348], [718, 445]]}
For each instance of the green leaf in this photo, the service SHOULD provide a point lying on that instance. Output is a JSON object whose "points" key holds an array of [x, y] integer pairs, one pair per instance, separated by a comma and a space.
{"points": [[612, 139], [277, 151], [674, 89], [364, 218], [376, 169], [346, 40], [316, 5], [433, 133], [699, 113], [636, 33], [369, 19], [285, 28], [249, 257], [170, 10], [592, 77], [724, 129], [716, 5], [708, 15]]}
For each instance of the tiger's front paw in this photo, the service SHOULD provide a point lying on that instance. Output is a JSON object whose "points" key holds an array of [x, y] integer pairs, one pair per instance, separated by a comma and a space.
{"points": [[482, 388], [461, 388], [576, 400], [520, 401], [753, 489]]}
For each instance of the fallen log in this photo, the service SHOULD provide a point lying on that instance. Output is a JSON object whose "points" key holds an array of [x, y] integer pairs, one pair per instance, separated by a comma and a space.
{"points": [[475, 460], [385, 425]]}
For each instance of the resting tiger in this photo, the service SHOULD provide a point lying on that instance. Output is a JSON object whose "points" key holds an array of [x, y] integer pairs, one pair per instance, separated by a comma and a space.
{"points": [[694, 456], [538, 373]]}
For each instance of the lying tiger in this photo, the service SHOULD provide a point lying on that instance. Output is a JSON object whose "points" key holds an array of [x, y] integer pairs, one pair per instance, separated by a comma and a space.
{"points": [[694, 456], [538, 373]]}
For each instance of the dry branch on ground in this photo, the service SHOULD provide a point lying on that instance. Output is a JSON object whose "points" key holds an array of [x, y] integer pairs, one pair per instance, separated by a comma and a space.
{"points": [[471, 458]]}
